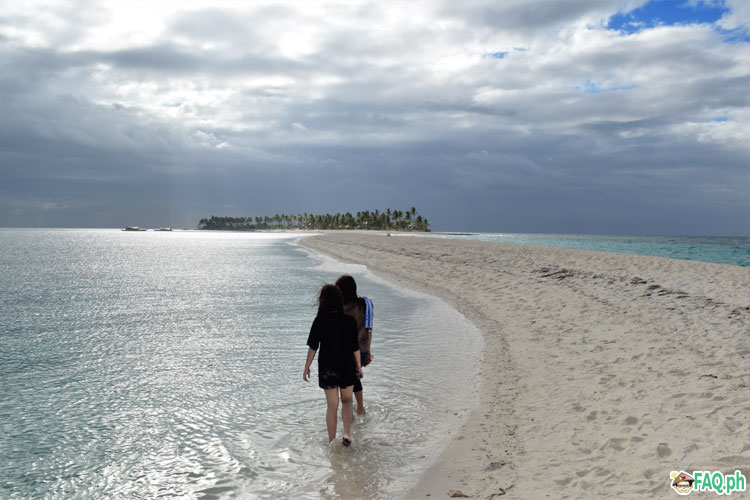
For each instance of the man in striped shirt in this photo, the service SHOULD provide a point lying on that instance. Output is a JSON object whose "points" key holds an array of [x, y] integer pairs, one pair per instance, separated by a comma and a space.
{"points": [[361, 309]]}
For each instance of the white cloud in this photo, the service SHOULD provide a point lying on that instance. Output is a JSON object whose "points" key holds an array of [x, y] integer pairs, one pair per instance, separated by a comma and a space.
{"points": [[738, 16]]}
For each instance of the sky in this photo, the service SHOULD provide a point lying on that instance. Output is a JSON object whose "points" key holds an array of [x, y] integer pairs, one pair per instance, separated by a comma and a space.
{"points": [[535, 116]]}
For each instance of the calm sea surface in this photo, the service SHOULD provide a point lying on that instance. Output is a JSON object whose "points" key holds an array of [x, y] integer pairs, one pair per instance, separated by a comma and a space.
{"points": [[156, 364], [734, 250]]}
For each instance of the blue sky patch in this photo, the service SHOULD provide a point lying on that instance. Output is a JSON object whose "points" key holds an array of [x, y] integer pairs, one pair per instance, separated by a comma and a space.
{"points": [[734, 36], [590, 87], [500, 54], [720, 119], [667, 13]]}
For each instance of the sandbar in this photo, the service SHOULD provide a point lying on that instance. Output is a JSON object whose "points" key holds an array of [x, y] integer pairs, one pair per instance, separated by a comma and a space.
{"points": [[601, 372]]}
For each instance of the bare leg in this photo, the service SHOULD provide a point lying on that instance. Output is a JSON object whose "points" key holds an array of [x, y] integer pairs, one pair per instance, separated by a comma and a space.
{"points": [[360, 403], [332, 398], [347, 413]]}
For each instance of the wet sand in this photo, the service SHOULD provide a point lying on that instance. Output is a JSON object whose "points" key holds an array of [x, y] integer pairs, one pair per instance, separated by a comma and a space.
{"points": [[601, 372]]}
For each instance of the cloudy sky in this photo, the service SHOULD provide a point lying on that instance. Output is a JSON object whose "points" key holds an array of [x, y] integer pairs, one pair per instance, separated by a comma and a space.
{"points": [[582, 116]]}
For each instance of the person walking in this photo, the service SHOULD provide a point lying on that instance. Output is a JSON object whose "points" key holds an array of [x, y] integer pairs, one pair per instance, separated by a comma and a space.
{"points": [[334, 333], [359, 308]]}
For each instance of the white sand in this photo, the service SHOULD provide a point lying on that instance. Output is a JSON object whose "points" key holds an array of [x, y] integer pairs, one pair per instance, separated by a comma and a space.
{"points": [[601, 372]]}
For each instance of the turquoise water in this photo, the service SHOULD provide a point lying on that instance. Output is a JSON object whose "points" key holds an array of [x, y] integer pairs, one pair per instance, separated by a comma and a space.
{"points": [[718, 249], [144, 365]]}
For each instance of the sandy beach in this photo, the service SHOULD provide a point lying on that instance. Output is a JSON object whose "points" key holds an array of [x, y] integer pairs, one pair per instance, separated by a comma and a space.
{"points": [[601, 372]]}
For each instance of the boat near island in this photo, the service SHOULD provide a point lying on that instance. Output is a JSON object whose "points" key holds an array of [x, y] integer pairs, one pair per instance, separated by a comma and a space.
{"points": [[133, 228]]}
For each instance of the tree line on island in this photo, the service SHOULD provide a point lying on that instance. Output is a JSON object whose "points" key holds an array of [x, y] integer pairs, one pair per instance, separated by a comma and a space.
{"points": [[396, 220]]}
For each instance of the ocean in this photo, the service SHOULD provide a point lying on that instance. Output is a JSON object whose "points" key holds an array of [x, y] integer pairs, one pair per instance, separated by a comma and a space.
{"points": [[733, 250], [169, 364]]}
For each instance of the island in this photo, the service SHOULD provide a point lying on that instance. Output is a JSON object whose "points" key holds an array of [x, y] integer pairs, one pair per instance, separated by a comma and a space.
{"points": [[396, 220]]}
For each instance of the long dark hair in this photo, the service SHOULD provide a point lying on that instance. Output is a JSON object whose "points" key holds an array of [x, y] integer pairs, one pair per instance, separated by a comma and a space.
{"points": [[348, 288], [330, 300]]}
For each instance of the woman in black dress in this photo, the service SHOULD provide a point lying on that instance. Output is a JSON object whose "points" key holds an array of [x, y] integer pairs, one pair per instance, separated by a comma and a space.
{"points": [[335, 333]]}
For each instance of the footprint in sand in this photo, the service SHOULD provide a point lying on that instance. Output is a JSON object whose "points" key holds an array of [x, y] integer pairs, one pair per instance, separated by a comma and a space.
{"points": [[617, 444]]}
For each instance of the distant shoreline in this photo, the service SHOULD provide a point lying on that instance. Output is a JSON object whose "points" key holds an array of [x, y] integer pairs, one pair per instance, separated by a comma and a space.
{"points": [[728, 250]]}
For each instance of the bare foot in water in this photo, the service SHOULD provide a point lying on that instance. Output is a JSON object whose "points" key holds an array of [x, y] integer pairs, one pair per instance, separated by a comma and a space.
{"points": [[361, 410]]}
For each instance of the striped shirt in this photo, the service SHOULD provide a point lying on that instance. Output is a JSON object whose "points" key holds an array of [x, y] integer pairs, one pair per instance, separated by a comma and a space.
{"points": [[368, 313]]}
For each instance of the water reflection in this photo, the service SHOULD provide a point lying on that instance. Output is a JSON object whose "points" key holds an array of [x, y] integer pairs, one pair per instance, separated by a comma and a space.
{"points": [[169, 365]]}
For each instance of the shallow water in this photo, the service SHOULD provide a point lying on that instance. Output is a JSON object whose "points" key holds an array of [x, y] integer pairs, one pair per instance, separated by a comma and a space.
{"points": [[137, 365], [733, 250]]}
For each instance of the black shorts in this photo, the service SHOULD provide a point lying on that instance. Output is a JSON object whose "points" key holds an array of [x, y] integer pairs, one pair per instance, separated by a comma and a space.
{"points": [[331, 379]]}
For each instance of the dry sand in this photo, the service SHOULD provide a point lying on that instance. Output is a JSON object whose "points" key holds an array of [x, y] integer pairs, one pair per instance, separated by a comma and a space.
{"points": [[601, 372]]}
